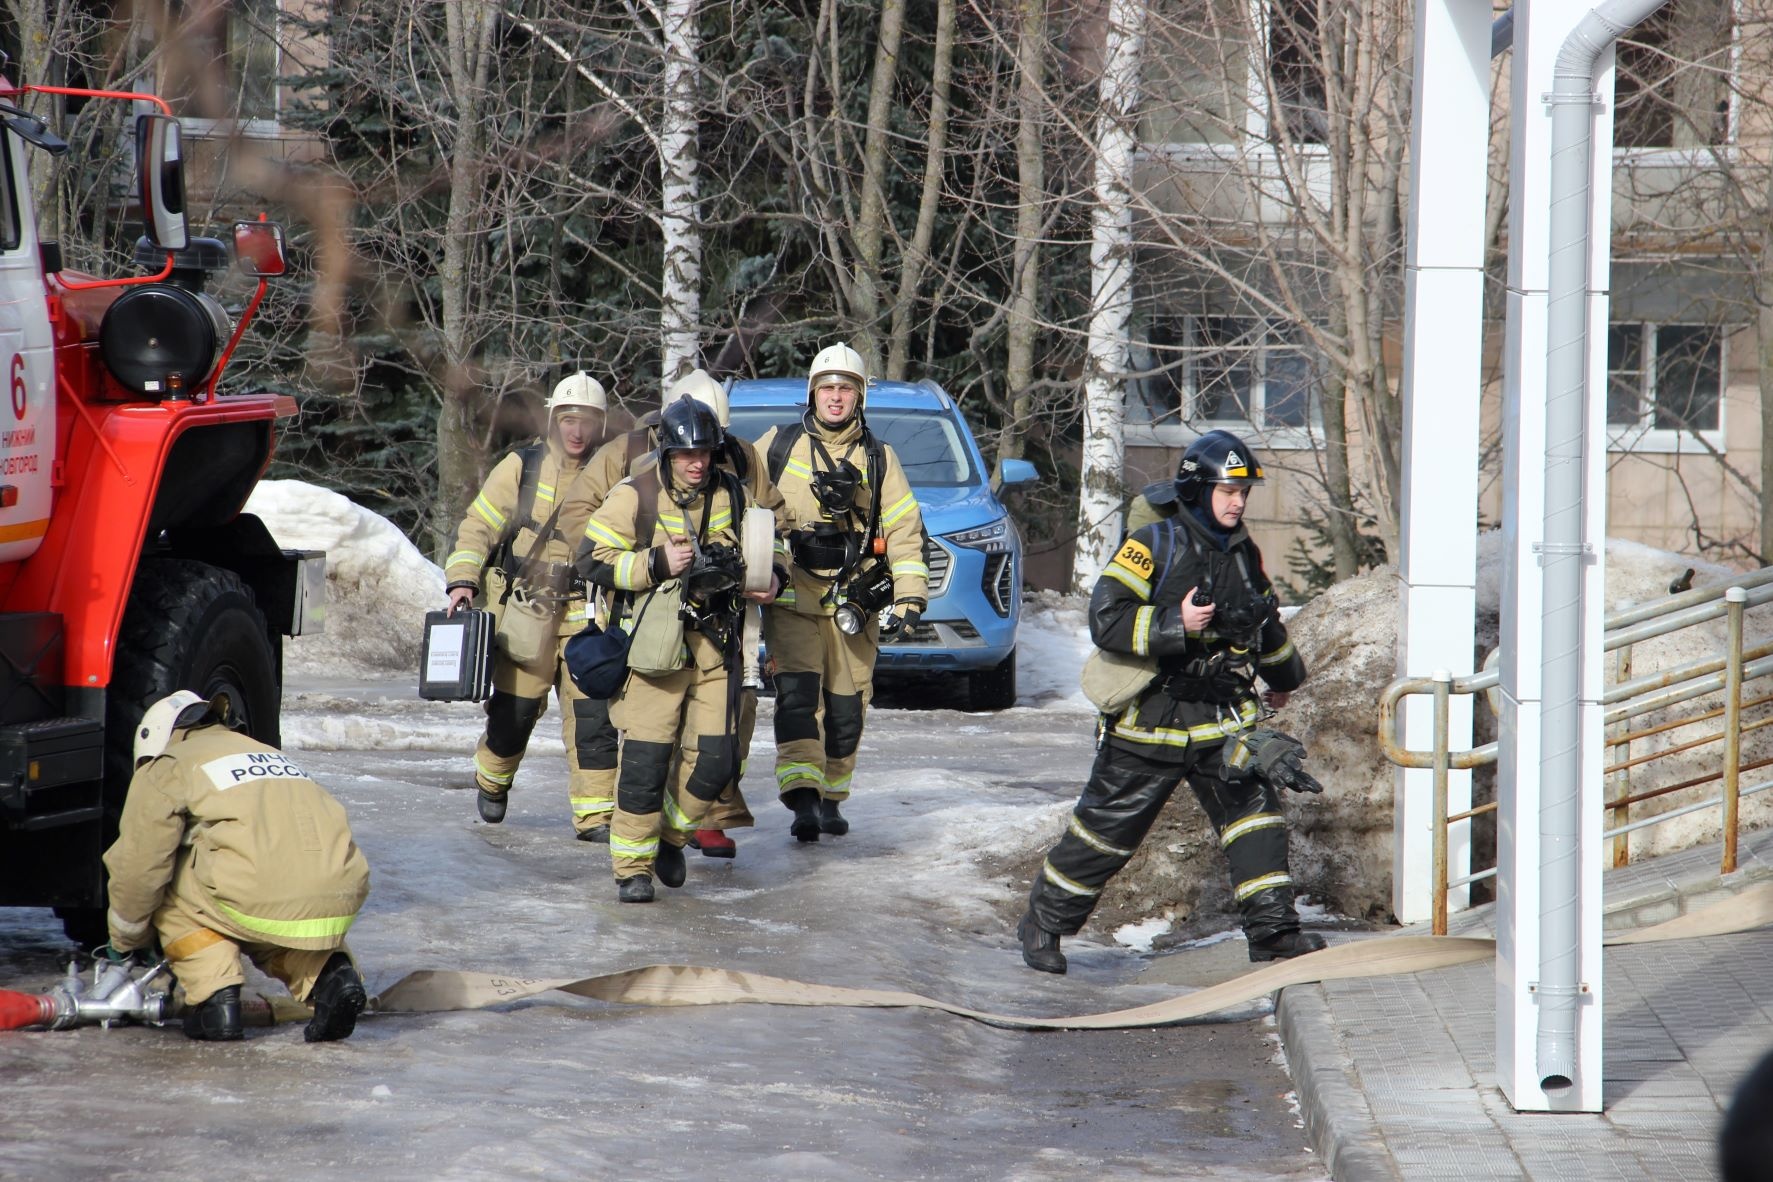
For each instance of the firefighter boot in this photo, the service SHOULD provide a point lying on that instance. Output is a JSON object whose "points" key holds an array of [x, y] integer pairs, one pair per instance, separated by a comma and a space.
{"points": [[216, 1018], [637, 889], [668, 865], [1286, 945], [338, 998], [830, 820], [805, 803], [597, 833], [1040, 948], [714, 844], [492, 808]]}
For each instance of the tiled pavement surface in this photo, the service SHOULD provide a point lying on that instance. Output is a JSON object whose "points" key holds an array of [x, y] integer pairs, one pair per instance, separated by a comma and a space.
{"points": [[1397, 1079]]}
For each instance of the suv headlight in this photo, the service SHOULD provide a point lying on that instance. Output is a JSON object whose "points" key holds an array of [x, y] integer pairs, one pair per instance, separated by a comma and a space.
{"points": [[992, 539]]}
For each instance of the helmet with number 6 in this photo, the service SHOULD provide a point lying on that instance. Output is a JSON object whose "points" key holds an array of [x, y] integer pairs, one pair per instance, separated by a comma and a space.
{"points": [[1218, 457], [577, 391]]}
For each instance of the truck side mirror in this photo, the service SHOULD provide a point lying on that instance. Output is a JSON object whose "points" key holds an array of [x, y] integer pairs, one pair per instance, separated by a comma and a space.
{"points": [[160, 160], [32, 130], [258, 249]]}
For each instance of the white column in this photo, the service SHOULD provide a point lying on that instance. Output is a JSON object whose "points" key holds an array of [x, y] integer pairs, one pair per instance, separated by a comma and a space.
{"points": [[1442, 384], [1540, 28]]}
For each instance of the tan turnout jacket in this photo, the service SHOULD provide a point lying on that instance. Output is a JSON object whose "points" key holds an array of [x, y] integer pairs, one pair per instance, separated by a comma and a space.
{"points": [[486, 519], [241, 835], [901, 523]]}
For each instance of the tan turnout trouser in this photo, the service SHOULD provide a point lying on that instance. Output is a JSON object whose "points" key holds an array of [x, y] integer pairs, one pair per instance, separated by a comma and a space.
{"points": [[590, 745], [824, 682], [205, 961], [675, 758], [730, 811]]}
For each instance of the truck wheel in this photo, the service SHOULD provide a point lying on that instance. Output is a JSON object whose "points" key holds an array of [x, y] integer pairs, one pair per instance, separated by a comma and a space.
{"points": [[994, 688], [190, 626]]}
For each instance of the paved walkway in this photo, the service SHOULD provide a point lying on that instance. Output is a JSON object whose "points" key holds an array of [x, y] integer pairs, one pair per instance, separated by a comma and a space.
{"points": [[1397, 1079]]}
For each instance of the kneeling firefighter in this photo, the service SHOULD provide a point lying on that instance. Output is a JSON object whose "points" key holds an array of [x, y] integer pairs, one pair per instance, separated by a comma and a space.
{"points": [[666, 542], [1189, 591], [225, 847], [856, 537]]}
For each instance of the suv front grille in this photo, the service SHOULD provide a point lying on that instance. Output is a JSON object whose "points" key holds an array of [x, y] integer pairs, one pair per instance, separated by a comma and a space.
{"points": [[937, 558], [999, 582]]}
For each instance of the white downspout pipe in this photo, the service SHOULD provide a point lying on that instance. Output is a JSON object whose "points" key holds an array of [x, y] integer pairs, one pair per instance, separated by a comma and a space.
{"points": [[1563, 550]]}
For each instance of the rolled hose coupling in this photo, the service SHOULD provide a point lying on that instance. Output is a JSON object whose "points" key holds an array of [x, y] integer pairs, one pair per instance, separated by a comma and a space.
{"points": [[1270, 755]]}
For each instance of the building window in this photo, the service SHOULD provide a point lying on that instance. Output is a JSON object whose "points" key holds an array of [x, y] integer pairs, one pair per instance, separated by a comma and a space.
{"points": [[1200, 89], [1300, 111], [1245, 374], [1665, 381], [226, 64], [1671, 88]]}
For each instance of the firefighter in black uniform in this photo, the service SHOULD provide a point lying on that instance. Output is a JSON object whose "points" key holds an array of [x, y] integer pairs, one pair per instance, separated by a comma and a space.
{"points": [[1191, 592]]}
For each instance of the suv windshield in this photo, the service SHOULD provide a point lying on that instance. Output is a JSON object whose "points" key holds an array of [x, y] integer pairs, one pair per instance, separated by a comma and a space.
{"points": [[930, 445]]}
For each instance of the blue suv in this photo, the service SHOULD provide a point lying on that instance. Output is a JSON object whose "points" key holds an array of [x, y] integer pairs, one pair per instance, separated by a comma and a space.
{"points": [[972, 546]]}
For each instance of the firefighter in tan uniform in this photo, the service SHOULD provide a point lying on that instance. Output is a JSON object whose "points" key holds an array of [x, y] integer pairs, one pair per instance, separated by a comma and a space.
{"points": [[225, 846], [675, 522], [856, 537], [511, 543], [628, 455]]}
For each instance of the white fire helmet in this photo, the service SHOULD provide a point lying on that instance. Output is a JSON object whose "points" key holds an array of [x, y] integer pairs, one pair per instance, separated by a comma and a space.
{"points": [[577, 391], [700, 385], [839, 359], [181, 708]]}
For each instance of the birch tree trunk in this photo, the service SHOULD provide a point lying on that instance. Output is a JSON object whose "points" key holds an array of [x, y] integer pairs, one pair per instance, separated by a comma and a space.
{"points": [[680, 302], [872, 212], [1764, 371], [1100, 491], [1031, 200], [917, 257], [468, 29]]}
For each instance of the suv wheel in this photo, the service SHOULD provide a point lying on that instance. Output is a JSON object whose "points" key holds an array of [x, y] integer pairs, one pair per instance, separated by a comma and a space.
{"points": [[994, 688]]}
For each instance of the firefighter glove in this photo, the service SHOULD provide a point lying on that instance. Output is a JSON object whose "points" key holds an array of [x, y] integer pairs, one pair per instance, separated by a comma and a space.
{"points": [[1269, 755], [901, 620]]}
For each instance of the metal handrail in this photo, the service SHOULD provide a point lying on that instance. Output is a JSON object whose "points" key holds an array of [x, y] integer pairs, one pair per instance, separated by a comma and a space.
{"points": [[1628, 698]]}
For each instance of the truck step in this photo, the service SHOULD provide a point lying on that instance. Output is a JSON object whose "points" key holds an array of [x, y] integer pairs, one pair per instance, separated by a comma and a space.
{"points": [[51, 772]]}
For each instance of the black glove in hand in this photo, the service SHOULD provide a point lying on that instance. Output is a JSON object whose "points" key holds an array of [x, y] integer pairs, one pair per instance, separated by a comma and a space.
{"points": [[900, 621], [1298, 779]]}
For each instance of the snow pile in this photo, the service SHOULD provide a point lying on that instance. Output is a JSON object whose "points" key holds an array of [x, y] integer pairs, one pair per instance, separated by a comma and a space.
{"points": [[1052, 642], [379, 586]]}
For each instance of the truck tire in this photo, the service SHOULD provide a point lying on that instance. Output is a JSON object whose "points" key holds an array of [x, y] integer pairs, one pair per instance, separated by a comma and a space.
{"points": [[993, 688], [190, 625]]}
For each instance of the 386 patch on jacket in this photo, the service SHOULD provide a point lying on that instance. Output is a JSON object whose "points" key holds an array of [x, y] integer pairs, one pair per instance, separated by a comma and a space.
{"points": [[1135, 556]]}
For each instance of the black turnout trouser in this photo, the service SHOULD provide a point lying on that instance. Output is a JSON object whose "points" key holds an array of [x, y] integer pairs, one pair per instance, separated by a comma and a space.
{"points": [[1125, 793]]}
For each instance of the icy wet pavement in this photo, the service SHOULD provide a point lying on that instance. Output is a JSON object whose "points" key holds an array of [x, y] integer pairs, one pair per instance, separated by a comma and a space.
{"points": [[561, 1088]]}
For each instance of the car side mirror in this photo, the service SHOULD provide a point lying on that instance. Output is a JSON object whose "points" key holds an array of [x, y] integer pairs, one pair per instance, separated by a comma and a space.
{"points": [[1017, 472]]}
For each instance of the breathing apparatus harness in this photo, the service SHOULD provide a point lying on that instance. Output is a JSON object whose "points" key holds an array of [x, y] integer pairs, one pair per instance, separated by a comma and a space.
{"points": [[862, 578]]}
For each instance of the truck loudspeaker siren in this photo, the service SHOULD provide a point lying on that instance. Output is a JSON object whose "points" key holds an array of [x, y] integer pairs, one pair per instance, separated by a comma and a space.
{"points": [[152, 333]]}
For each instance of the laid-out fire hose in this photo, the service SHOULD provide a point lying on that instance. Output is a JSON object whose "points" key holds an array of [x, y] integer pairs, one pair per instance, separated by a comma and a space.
{"points": [[116, 996]]}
